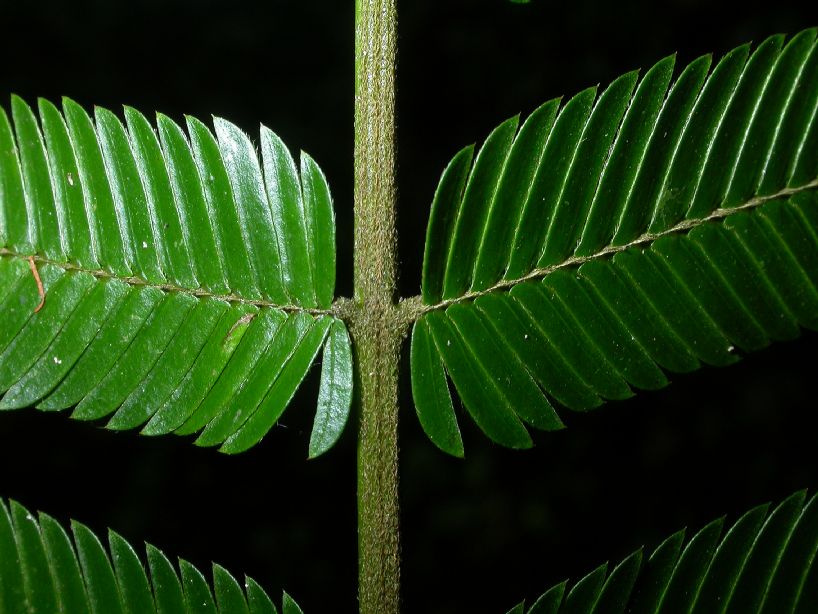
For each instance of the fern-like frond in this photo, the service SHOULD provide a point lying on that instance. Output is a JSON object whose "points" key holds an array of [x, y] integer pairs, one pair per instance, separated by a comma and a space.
{"points": [[764, 563], [650, 227], [45, 569], [179, 281]]}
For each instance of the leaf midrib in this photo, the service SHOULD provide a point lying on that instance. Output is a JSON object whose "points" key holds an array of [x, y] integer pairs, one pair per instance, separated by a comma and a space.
{"points": [[409, 310], [417, 309], [333, 311]]}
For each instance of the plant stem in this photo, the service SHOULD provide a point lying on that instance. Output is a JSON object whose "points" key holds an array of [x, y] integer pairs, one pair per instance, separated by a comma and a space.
{"points": [[374, 324]]}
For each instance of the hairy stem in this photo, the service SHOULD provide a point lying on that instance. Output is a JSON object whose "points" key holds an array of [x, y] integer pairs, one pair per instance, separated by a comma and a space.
{"points": [[374, 322]]}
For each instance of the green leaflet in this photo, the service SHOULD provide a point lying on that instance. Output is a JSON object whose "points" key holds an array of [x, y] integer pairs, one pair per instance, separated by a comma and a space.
{"points": [[289, 606], [133, 582], [287, 379], [749, 567], [39, 587], [168, 361], [430, 390], [258, 600], [269, 386], [320, 226], [517, 179], [197, 227], [656, 227], [109, 226], [167, 589], [480, 192], [45, 569], [585, 593], [441, 222], [197, 592], [15, 227], [595, 331], [45, 232], [163, 257], [194, 213], [335, 393], [603, 174]]}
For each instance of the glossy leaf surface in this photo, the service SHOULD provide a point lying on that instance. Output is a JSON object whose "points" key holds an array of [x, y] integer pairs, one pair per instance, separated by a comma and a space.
{"points": [[757, 564], [163, 258], [44, 568], [653, 228]]}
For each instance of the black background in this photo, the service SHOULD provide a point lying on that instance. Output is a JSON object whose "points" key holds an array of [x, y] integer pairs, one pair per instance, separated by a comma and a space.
{"points": [[478, 534]]}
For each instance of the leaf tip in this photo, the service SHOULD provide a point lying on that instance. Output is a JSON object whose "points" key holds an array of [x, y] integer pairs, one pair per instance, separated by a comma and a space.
{"points": [[71, 105], [16, 99]]}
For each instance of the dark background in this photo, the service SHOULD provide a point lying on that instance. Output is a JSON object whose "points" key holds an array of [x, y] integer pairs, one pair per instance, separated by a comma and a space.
{"points": [[478, 534]]}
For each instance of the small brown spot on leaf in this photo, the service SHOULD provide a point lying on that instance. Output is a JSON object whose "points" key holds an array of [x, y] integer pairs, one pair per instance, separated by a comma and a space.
{"points": [[242, 320], [40, 289]]}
